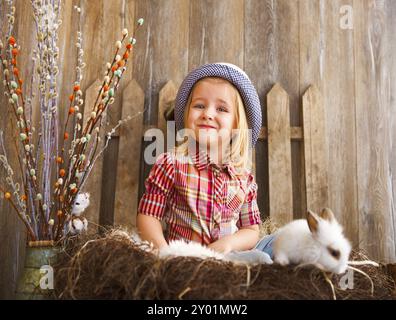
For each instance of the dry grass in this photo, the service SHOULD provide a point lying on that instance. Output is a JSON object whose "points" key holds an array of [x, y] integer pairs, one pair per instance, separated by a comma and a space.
{"points": [[112, 266]]}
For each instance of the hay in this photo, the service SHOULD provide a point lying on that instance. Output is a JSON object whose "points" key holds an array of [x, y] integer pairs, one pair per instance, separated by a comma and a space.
{"points": [[268, 226], [114, 267]]}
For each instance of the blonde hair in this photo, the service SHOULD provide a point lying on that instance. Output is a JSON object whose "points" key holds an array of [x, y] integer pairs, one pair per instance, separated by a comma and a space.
{"points": [[240, 153]]}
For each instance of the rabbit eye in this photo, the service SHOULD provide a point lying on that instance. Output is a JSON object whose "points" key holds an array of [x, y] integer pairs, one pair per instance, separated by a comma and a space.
{"points": [[335, 253], [78, 203]]}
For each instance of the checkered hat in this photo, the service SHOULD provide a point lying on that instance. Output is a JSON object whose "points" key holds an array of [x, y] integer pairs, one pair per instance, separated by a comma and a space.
{"points": [[234, 75]]}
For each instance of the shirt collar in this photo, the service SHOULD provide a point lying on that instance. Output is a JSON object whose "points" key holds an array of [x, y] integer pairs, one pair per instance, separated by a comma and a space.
{"points": [[202, 160]]}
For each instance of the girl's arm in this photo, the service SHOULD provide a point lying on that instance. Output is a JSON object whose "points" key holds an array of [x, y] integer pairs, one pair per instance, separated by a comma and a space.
{"points": [[244, 239], [150, 229]]}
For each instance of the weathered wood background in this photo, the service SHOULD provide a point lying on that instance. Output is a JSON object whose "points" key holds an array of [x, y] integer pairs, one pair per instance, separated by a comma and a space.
{"points": [[295, 43]]}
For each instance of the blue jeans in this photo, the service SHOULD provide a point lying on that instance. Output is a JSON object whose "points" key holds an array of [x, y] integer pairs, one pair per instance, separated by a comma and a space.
{"points": [[266, 245], [261, 253]]}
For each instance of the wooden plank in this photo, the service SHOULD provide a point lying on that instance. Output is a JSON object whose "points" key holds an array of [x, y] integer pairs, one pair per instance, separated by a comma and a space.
{"points": [[338, 77], [390, 10], [160, 54], [315, 150], [128, 168], [279, 156], [270, 40], [211, 38], [311, 60], [94, 183], [106, 217], [94, 43], [296, 133], [117, 15], [287, 43], [373, 118]]}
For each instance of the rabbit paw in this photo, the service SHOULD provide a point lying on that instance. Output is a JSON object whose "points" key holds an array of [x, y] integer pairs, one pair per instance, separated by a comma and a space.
{"points": [[282, 259]]}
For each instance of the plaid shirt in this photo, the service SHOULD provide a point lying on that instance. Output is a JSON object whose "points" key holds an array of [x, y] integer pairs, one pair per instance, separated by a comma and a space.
{"points": [[194, 195]]}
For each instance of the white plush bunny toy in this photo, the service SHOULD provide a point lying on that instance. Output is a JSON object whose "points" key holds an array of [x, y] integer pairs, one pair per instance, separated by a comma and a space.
{"points": [[317, 240], [77, 223]]}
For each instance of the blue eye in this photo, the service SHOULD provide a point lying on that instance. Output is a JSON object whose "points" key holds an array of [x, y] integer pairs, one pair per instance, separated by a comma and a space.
{"points": [[199, 106], [223, 109]]}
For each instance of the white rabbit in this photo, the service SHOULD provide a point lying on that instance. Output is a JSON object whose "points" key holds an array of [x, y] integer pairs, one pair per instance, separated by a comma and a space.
{"points": [[195, 249], [77, 224], [318, 240], [80, 204], [189, 249]]}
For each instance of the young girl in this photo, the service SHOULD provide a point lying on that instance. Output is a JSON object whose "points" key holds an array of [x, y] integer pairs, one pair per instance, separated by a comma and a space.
{"points": [[204, 189]]}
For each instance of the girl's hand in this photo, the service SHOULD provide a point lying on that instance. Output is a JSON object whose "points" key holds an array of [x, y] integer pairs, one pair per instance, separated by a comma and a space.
{"points": [[222, 245], [244, 239]]}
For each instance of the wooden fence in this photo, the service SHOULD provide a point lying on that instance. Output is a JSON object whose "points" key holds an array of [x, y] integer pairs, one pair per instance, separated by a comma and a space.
{"points": [[278, 134]]}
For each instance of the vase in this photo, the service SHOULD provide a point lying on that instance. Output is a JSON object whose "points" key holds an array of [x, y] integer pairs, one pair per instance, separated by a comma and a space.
{"points": [[36, 281]]}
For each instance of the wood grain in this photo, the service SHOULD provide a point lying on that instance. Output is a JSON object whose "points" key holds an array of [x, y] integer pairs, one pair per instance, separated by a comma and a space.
{"points": [[128, 169], [315, 152], [338, 88], [117, 15], [216, 32], [271, 38], [279, 151], [374, 142], [390, 11], [161, 54]]}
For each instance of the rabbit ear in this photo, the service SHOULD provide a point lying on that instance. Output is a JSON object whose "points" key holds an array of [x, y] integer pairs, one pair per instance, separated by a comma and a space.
{"points": [[327, 214], [313, 221]]}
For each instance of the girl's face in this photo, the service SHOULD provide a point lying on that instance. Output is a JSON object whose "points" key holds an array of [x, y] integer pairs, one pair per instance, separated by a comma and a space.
{"points": [[212, 112]]}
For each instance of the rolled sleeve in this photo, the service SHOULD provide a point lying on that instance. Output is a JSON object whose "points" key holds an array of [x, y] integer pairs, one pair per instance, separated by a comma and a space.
{"points": [[250, 213], [158, 187]]}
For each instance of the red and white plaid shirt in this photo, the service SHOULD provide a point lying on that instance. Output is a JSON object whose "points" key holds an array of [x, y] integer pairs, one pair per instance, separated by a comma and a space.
{"points": [[196, 196]]}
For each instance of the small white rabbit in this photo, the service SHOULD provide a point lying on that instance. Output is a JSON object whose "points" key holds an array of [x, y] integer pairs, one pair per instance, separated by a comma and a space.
{"points": [[195, 249], [318, 240], [80, 204], [189, 249], [77, 224]]}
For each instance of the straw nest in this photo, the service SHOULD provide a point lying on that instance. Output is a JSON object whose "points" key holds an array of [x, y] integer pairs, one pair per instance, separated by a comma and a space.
{"points": [[112, 266]]}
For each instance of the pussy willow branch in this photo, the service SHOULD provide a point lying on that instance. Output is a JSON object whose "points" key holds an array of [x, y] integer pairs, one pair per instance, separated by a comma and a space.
{"points": [[91, 123], [28, 161], [21, 216]]}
